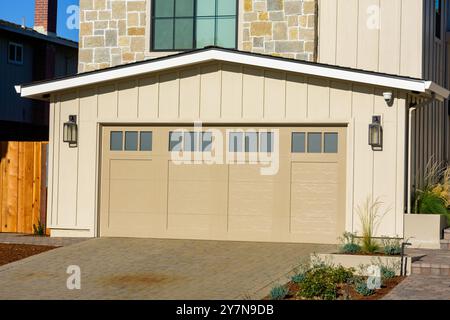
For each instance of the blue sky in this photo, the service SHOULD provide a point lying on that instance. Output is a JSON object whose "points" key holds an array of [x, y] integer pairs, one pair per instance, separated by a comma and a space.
{"points": [[15, 10]]}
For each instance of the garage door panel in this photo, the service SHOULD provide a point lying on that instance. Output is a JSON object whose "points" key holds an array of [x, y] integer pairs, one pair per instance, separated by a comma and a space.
{"points": [[206, 197], [253, 198], [136, 169], [197, 172], [129, 221], [313, 173], [136, 195], [251, 224], [206, 224]]}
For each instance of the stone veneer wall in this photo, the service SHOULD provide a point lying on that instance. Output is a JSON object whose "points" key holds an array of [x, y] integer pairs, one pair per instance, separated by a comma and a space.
{"points": [[284, 28], [112, 32]]}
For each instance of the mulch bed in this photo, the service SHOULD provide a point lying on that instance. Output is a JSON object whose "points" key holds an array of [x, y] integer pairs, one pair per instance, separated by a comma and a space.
{"points": [[13, 252], [349, 291]]}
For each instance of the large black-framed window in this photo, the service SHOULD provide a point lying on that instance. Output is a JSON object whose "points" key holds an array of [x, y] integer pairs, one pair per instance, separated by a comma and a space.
{"points": [[191, 24]]}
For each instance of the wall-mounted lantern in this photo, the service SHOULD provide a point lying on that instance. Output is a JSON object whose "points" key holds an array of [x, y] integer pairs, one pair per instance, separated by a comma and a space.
{"points": [[376, 134], [70, 131]]}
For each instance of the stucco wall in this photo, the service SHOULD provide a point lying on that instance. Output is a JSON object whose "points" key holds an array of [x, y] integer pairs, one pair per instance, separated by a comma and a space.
{"points": [[224, 93]]}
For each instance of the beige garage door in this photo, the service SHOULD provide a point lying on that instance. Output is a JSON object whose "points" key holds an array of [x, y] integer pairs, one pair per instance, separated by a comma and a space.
{"points": [[259, 184]]}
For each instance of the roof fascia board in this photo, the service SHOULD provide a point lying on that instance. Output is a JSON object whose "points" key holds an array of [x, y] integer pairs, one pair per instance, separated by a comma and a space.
{"points": [[233, 57]]}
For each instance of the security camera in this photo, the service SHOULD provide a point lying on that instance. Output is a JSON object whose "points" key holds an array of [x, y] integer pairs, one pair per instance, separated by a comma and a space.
{"points": [[388, 97]]}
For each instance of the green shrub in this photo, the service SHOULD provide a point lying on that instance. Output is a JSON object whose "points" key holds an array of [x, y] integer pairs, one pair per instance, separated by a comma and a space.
{"points": [[349, 243], [278, 292], [39, 230], [298, 278], [361, 287], [430, 203], [387, 272], [322, 281], [391, 247]]}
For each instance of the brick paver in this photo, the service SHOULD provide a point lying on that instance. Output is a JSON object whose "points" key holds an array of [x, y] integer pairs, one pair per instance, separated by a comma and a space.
{"points": [[114, 268], [421, 287]]}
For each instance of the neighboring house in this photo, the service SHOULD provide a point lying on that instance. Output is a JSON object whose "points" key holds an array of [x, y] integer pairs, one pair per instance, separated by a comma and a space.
{"points": [[29, 55], [121, 176]]}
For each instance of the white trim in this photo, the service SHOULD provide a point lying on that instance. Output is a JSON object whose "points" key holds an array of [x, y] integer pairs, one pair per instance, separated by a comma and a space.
{"points": [[390, 81]]}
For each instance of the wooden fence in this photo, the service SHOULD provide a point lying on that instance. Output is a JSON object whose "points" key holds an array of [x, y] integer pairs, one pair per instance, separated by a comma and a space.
{"points": [[23, 190]]}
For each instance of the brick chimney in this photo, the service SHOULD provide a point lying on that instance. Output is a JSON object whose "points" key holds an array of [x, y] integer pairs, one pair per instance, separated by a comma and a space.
{"points": [[45, 12]]}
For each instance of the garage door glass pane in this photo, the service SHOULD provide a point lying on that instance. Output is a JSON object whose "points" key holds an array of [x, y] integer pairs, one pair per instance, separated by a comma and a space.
{"points": [[206, 141], [298, 142], [266, 144], [190, 141], [175, 139], [314, 142], [131, 140], [330, 143], [235, 142], [116, 141], [146, 141], [251, 142]]}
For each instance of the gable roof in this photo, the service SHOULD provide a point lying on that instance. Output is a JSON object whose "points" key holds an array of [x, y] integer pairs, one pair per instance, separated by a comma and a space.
{"points": [[41, 90], [29, 32]]}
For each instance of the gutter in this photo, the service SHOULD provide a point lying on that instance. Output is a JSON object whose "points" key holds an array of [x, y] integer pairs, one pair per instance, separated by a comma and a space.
{"points": [[412, 108]]}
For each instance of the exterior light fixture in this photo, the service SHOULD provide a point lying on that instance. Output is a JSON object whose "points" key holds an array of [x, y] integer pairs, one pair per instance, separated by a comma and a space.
{"points": [[70, 131], [376, 134]]}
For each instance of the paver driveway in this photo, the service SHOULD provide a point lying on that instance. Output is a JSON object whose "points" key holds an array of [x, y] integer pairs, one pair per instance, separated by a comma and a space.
{"points": [[115, 268]]}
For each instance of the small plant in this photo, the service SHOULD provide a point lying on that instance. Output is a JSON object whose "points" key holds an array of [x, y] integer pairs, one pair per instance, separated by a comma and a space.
{"points": [[387, 272], [39, 230], [391, 246], [278, 292], [434, 196], [361, 287], [322, 280], [370, 217], [298, 278], [349, 243]]}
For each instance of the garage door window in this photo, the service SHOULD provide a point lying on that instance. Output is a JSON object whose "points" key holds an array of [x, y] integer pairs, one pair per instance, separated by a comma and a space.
{"points": [[189, 141], [235, 142], [116, 141], [298, 142], [131, 140], [146, 141], [266, 142], [330, 142], [206, 141], [314, 142]]}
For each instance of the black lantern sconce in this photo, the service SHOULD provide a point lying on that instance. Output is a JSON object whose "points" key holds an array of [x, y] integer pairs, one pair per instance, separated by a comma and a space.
{"points": [[70, 131], [376, 134]]}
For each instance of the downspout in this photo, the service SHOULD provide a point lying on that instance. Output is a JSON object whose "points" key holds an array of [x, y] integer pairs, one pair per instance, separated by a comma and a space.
{"points": [[412, 108]]}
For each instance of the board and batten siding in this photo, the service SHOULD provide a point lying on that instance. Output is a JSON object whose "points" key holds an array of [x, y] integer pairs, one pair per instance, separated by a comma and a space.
{"points": [[376, 35], [226, 93], [430, 125]]}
